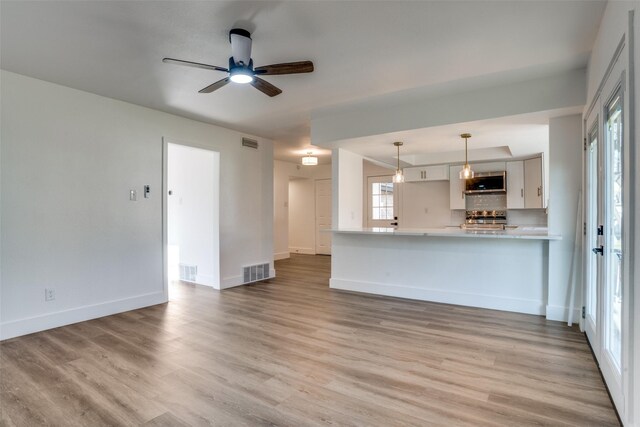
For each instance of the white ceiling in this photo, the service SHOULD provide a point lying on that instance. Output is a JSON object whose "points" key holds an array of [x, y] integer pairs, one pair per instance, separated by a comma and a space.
{"points": [[501, 138], [360, 49]]}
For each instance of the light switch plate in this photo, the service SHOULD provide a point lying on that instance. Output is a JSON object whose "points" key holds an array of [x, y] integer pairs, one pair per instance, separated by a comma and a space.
{"points": [[133, 196]]}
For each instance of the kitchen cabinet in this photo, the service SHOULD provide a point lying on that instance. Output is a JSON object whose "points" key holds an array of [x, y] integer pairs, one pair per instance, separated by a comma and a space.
{"points": [[515, 185], [426, 173], [456, 188], [533, 185]]}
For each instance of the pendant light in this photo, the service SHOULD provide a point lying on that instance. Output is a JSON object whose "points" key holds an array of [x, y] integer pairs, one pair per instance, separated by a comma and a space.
{"points": [[466, 171], [399, 176], [309, 160]]}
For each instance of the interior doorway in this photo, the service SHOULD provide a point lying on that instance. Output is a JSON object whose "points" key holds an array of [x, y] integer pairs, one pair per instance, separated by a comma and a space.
{"points": [[301, 216], [192, 206]]}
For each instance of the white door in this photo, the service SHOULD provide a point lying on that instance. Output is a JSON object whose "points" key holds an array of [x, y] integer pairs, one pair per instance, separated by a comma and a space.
{"points": [[323, 216], [382, 202], [612, 252], [592, 240], [607, 310]]}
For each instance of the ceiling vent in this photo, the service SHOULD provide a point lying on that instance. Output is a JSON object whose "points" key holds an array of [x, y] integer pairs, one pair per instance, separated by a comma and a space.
{"points": [[251, 143]]}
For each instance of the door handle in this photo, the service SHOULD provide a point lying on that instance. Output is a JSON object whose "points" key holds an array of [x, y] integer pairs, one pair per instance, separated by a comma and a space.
{"points": [[522, 192], [394, 223], [539, 191], [599, 250]]}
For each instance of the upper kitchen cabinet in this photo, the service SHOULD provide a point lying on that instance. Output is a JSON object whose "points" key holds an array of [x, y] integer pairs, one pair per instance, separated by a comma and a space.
{"points": [[426, 173], [456, 188], [533, 189], [525, 189], [515, 185]]}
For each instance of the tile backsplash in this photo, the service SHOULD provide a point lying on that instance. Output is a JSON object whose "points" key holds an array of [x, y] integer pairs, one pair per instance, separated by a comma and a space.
{"points": [[486, 202]]}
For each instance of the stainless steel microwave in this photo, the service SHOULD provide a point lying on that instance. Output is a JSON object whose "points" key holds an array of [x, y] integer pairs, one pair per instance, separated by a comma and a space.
{"points": [[487, 182]]}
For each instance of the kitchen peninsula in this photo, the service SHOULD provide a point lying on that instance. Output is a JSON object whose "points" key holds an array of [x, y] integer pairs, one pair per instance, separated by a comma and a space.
{"points": [[444, 265]]}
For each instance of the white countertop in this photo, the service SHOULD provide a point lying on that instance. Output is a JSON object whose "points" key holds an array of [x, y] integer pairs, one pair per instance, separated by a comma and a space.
{"points": [[530, 233]]}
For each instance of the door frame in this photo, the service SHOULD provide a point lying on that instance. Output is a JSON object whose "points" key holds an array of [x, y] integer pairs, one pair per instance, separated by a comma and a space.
{"points": [[614, 81], [165, 206]]}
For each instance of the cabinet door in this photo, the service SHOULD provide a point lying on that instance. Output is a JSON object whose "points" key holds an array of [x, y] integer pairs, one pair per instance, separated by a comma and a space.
{"points": [[456, 188], [515, 185], [413, 174], [437, 173], [533, 183]]}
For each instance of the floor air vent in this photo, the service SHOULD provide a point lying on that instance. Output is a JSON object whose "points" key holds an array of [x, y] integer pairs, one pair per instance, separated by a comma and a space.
{"points": [[254, 273], [188, 273]]}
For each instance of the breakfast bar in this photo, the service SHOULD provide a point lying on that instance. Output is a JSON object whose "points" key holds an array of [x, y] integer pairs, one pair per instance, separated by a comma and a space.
{"points": [[495, 269]]}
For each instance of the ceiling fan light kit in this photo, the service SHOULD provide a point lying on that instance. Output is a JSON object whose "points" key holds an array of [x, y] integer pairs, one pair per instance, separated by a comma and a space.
{"points": [[241, 69]]}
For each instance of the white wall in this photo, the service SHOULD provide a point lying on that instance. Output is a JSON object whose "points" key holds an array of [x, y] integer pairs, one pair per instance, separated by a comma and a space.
{"points": [[425, 204], [282, 173], [347, 189], [193, 210], [565, 144], [612, 28], [411, 110], [302, 215], [69, 159]]}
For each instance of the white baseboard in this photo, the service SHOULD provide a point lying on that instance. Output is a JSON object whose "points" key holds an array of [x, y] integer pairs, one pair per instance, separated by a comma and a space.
{"points": [[205, 280], [436, 295], [29, 325], [233, 281], [281, 255], [305, 251], [555, 312]]}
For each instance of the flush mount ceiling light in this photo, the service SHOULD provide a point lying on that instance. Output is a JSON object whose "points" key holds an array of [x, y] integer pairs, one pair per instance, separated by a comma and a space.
{"points": [[309, 160], [466, 171], [399, 176]]}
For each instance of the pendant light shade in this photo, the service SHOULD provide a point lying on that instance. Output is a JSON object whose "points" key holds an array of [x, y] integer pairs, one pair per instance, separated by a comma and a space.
{"points": [[309, 160], [466, 172], [399, 176]]}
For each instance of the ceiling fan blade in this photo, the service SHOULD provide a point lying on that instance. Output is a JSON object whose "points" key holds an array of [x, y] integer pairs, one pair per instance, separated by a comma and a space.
{"points": [[193, 64], [265, 87], [286, 68], [215, 86]]}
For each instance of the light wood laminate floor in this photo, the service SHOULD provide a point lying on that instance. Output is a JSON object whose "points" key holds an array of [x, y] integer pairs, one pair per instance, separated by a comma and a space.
{"points": [[292, 352]]}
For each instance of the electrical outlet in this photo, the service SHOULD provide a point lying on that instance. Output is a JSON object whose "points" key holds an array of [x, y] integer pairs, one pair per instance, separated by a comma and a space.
{"points": [[49, 294]]}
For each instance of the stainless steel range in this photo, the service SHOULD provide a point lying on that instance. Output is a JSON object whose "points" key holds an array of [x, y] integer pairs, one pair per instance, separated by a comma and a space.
{"points": [[485, 220]]}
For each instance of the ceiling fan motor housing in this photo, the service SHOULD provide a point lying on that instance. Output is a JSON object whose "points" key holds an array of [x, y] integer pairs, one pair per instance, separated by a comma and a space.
{"points": [[240, 46]]}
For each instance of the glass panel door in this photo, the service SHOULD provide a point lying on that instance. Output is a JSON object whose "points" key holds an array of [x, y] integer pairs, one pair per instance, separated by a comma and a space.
{"points": [[613, 203], [382, 202], [592, 240]]}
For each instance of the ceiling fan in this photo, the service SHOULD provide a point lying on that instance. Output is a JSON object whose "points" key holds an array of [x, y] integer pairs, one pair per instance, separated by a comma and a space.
{"points": [[241, 66]]}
